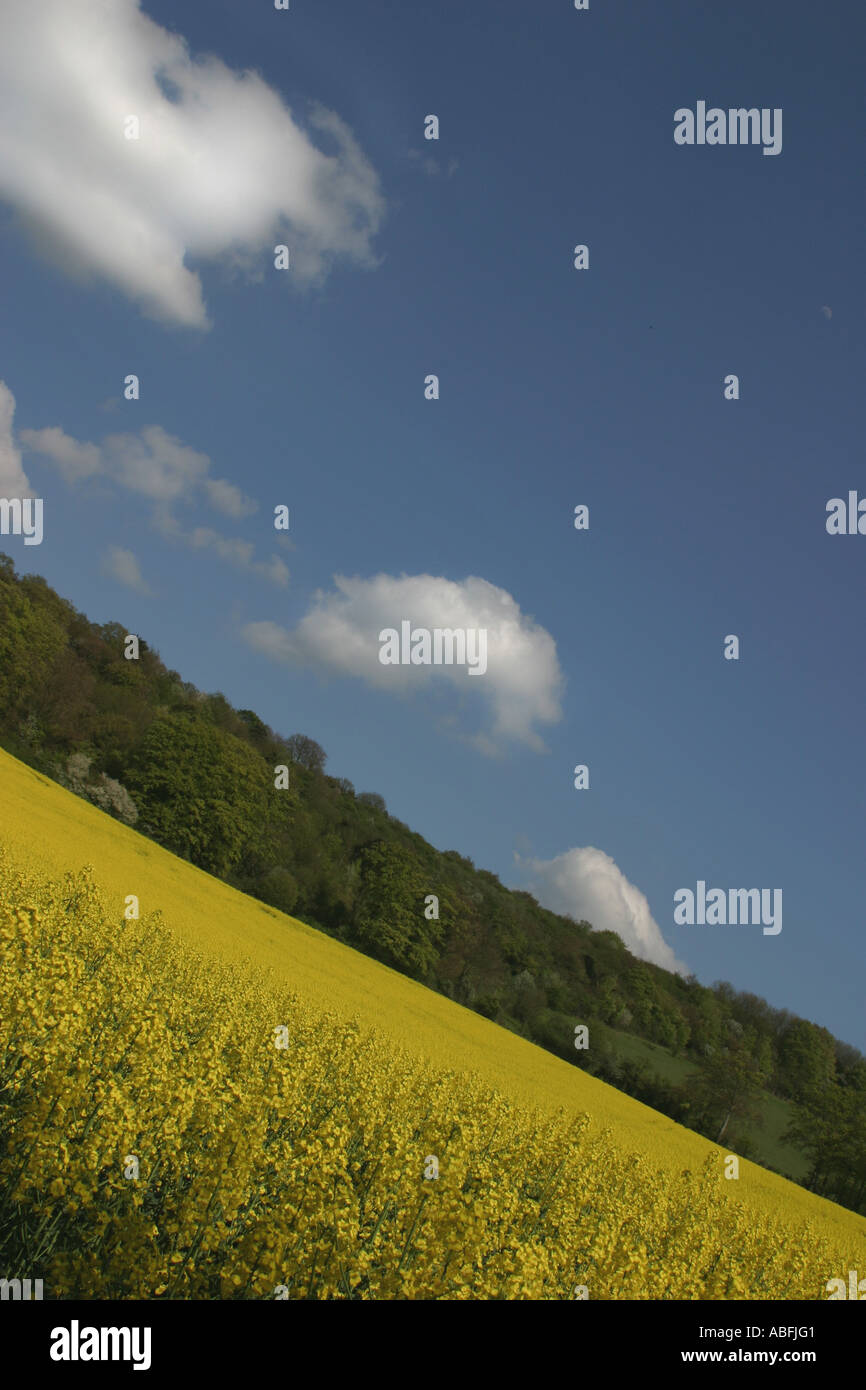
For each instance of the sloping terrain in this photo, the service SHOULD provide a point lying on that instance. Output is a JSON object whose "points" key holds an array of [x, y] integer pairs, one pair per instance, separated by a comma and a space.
{"points": [[48, 832]]}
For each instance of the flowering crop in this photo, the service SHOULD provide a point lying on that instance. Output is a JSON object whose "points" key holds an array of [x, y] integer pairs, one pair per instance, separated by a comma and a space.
{"points": [[176, 1122]]}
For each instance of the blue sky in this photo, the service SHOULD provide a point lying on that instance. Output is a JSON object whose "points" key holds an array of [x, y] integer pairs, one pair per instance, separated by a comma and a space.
{"points": [[557, 387]]}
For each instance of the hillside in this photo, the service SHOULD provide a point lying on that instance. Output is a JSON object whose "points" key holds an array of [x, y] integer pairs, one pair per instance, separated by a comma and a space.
{"points": [[131, 737], [208, 980], [51, 831], [773, 1116]]}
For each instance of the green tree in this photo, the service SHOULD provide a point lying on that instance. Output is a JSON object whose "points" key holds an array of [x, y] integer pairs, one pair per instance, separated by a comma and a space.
{"points": [[830, 1126], [306, 752], [807, 1058], [278, 888], [728, 1084], [389, 920], [202, 792], [32, 638]]}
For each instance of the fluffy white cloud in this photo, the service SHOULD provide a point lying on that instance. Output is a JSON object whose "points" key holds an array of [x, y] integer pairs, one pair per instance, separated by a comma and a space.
{"points": [[122, 565], [520, 688], [587, 885], [222, 167], [13, 479], [152, 463]]}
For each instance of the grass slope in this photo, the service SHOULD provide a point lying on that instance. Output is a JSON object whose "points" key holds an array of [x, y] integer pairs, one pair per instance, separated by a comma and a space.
{"points": [[776, 1114]]}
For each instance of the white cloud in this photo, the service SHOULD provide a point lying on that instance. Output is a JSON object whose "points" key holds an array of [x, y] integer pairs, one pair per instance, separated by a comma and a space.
{"points": [[122, 565], [240, 553], [75, 461], [826, 311], [222, 167], [229, 548], [13, 479], [276, 570], [520, 688], [152, 463], [164, 470], [587, 885], [228, 499]]}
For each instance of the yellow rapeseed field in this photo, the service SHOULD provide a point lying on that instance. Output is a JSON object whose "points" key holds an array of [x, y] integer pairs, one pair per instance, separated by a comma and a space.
{"points": [[213, 1100]]}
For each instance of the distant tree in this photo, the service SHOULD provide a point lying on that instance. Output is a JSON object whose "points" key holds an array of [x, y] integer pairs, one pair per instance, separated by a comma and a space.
{"points": [[638, 1080], [728, 1085], [259, 731], [202, 792], [704, 1014], [609, 1000], [65, 704], [829, 1125], [373, 799], [389, 919], [112, 797], [103, 791], [217, 710], [489, 1005], [614, 943], [77, 773], [850, 1066], [306, 752], [807, 1058], [32, 638], [279, 889]]}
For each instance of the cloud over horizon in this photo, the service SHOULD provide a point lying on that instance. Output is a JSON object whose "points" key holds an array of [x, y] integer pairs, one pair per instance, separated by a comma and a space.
{"points": [[339, 635], [222, 168], [587, 885]]}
